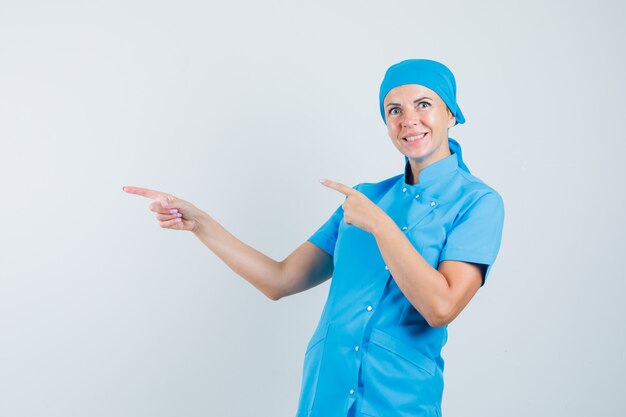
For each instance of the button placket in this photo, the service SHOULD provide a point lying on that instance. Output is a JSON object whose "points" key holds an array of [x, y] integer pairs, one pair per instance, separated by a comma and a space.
{"points": [[422, 207]]}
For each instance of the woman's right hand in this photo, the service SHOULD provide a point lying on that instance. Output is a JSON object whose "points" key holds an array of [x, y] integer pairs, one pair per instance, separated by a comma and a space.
{"points": [[171, 212]]}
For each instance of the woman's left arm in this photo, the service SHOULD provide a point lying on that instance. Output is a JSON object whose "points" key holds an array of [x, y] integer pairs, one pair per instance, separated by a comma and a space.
{"points": [[439, 295]]}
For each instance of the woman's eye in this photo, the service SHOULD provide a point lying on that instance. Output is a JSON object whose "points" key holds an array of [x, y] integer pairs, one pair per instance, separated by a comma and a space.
{"points": [[423, 104], [394, 110]]}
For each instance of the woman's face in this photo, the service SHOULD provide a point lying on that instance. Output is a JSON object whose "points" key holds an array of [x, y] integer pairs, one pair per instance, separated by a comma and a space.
{"points": [[417, 122]]}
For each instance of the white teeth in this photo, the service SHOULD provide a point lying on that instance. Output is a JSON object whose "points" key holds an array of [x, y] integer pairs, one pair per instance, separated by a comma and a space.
{"points": [[412, 138]]}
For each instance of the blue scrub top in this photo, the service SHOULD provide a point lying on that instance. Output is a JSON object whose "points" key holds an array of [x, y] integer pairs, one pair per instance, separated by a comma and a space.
{"points": [[372, 349]]}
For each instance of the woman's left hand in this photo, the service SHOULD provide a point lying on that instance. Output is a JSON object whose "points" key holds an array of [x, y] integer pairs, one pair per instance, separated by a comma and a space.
{"points": [[358, 210]]}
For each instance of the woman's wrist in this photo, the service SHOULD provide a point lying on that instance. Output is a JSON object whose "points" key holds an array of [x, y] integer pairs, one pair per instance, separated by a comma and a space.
{"points": [[383, 222], [203, 223]]}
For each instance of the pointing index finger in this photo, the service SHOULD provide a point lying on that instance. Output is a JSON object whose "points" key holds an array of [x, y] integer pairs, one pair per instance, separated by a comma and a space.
{"points": [[343, 189], [144, 192]]}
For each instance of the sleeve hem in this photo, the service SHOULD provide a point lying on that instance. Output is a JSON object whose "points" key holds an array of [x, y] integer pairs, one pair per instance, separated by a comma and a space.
{"points": [[476, 258], [465, 256], [326, 243]]}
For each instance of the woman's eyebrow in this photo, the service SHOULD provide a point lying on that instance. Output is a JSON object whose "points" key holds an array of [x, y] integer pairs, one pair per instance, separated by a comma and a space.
{"points": [[414, 101]]}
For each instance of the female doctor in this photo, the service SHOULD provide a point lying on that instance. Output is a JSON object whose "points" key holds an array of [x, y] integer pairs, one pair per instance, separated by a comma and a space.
{"points": [[406, 255]]}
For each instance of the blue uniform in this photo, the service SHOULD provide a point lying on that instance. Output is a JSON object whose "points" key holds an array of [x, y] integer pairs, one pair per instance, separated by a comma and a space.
{"points": [[373, 354]]}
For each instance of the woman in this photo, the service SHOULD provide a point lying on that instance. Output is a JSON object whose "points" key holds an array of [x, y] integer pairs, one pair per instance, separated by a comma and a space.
{"points": [[406, 255]]}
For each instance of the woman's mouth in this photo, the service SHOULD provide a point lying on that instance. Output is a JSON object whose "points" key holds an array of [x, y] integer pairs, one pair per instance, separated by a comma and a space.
{"points": [[413, 138]]}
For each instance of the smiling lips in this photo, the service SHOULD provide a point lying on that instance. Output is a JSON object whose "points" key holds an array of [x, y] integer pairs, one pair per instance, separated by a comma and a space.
{"points": [[415, 137]]}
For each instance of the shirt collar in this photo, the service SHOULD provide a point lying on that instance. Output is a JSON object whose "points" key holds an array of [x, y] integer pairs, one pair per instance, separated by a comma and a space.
{"points": [[433, 171]]}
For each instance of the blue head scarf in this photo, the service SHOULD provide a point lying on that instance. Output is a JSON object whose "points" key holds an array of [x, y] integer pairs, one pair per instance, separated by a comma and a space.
{"points": [[431, 74]]}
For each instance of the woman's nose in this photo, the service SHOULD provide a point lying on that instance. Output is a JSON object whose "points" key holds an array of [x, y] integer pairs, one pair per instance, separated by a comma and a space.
{"points": [[410, 120], [410, 117]]}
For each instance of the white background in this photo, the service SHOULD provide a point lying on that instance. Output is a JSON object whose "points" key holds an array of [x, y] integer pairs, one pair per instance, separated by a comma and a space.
{"points": [[240, 107]]}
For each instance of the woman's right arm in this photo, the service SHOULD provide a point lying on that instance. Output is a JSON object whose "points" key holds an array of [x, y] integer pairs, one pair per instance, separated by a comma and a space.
{"points": [[306, 267]]}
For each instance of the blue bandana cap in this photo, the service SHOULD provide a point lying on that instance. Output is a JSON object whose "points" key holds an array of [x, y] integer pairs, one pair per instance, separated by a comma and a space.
{"points": [[431, 74]]}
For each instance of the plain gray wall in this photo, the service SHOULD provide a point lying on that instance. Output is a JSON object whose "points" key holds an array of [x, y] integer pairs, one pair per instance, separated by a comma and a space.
{"points": [[240, 107]]}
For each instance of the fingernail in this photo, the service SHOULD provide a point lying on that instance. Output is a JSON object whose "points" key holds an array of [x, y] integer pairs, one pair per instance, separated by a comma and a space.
{"points": [[164, 203], [322, 180], [173, 211], [177, 220], [179, 214]]}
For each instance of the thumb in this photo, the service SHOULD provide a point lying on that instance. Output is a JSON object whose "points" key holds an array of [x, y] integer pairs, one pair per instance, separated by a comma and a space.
{"points": [[166, 200]]}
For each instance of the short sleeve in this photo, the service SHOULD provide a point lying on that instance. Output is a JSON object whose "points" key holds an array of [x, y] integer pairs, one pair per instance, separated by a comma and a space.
{"points": [[477, 235], [326, 236]]}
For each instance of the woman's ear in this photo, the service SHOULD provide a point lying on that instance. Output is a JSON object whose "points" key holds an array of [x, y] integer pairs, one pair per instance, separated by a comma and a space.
{"points": [[451, 119]]}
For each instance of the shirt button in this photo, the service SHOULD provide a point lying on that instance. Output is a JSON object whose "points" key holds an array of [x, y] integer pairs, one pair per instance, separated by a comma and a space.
{"points": [[404, 228], [432, 204], [370, 308], [386, 267], [417, 196], [404, 190], [351, 392], [356, 348]]}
